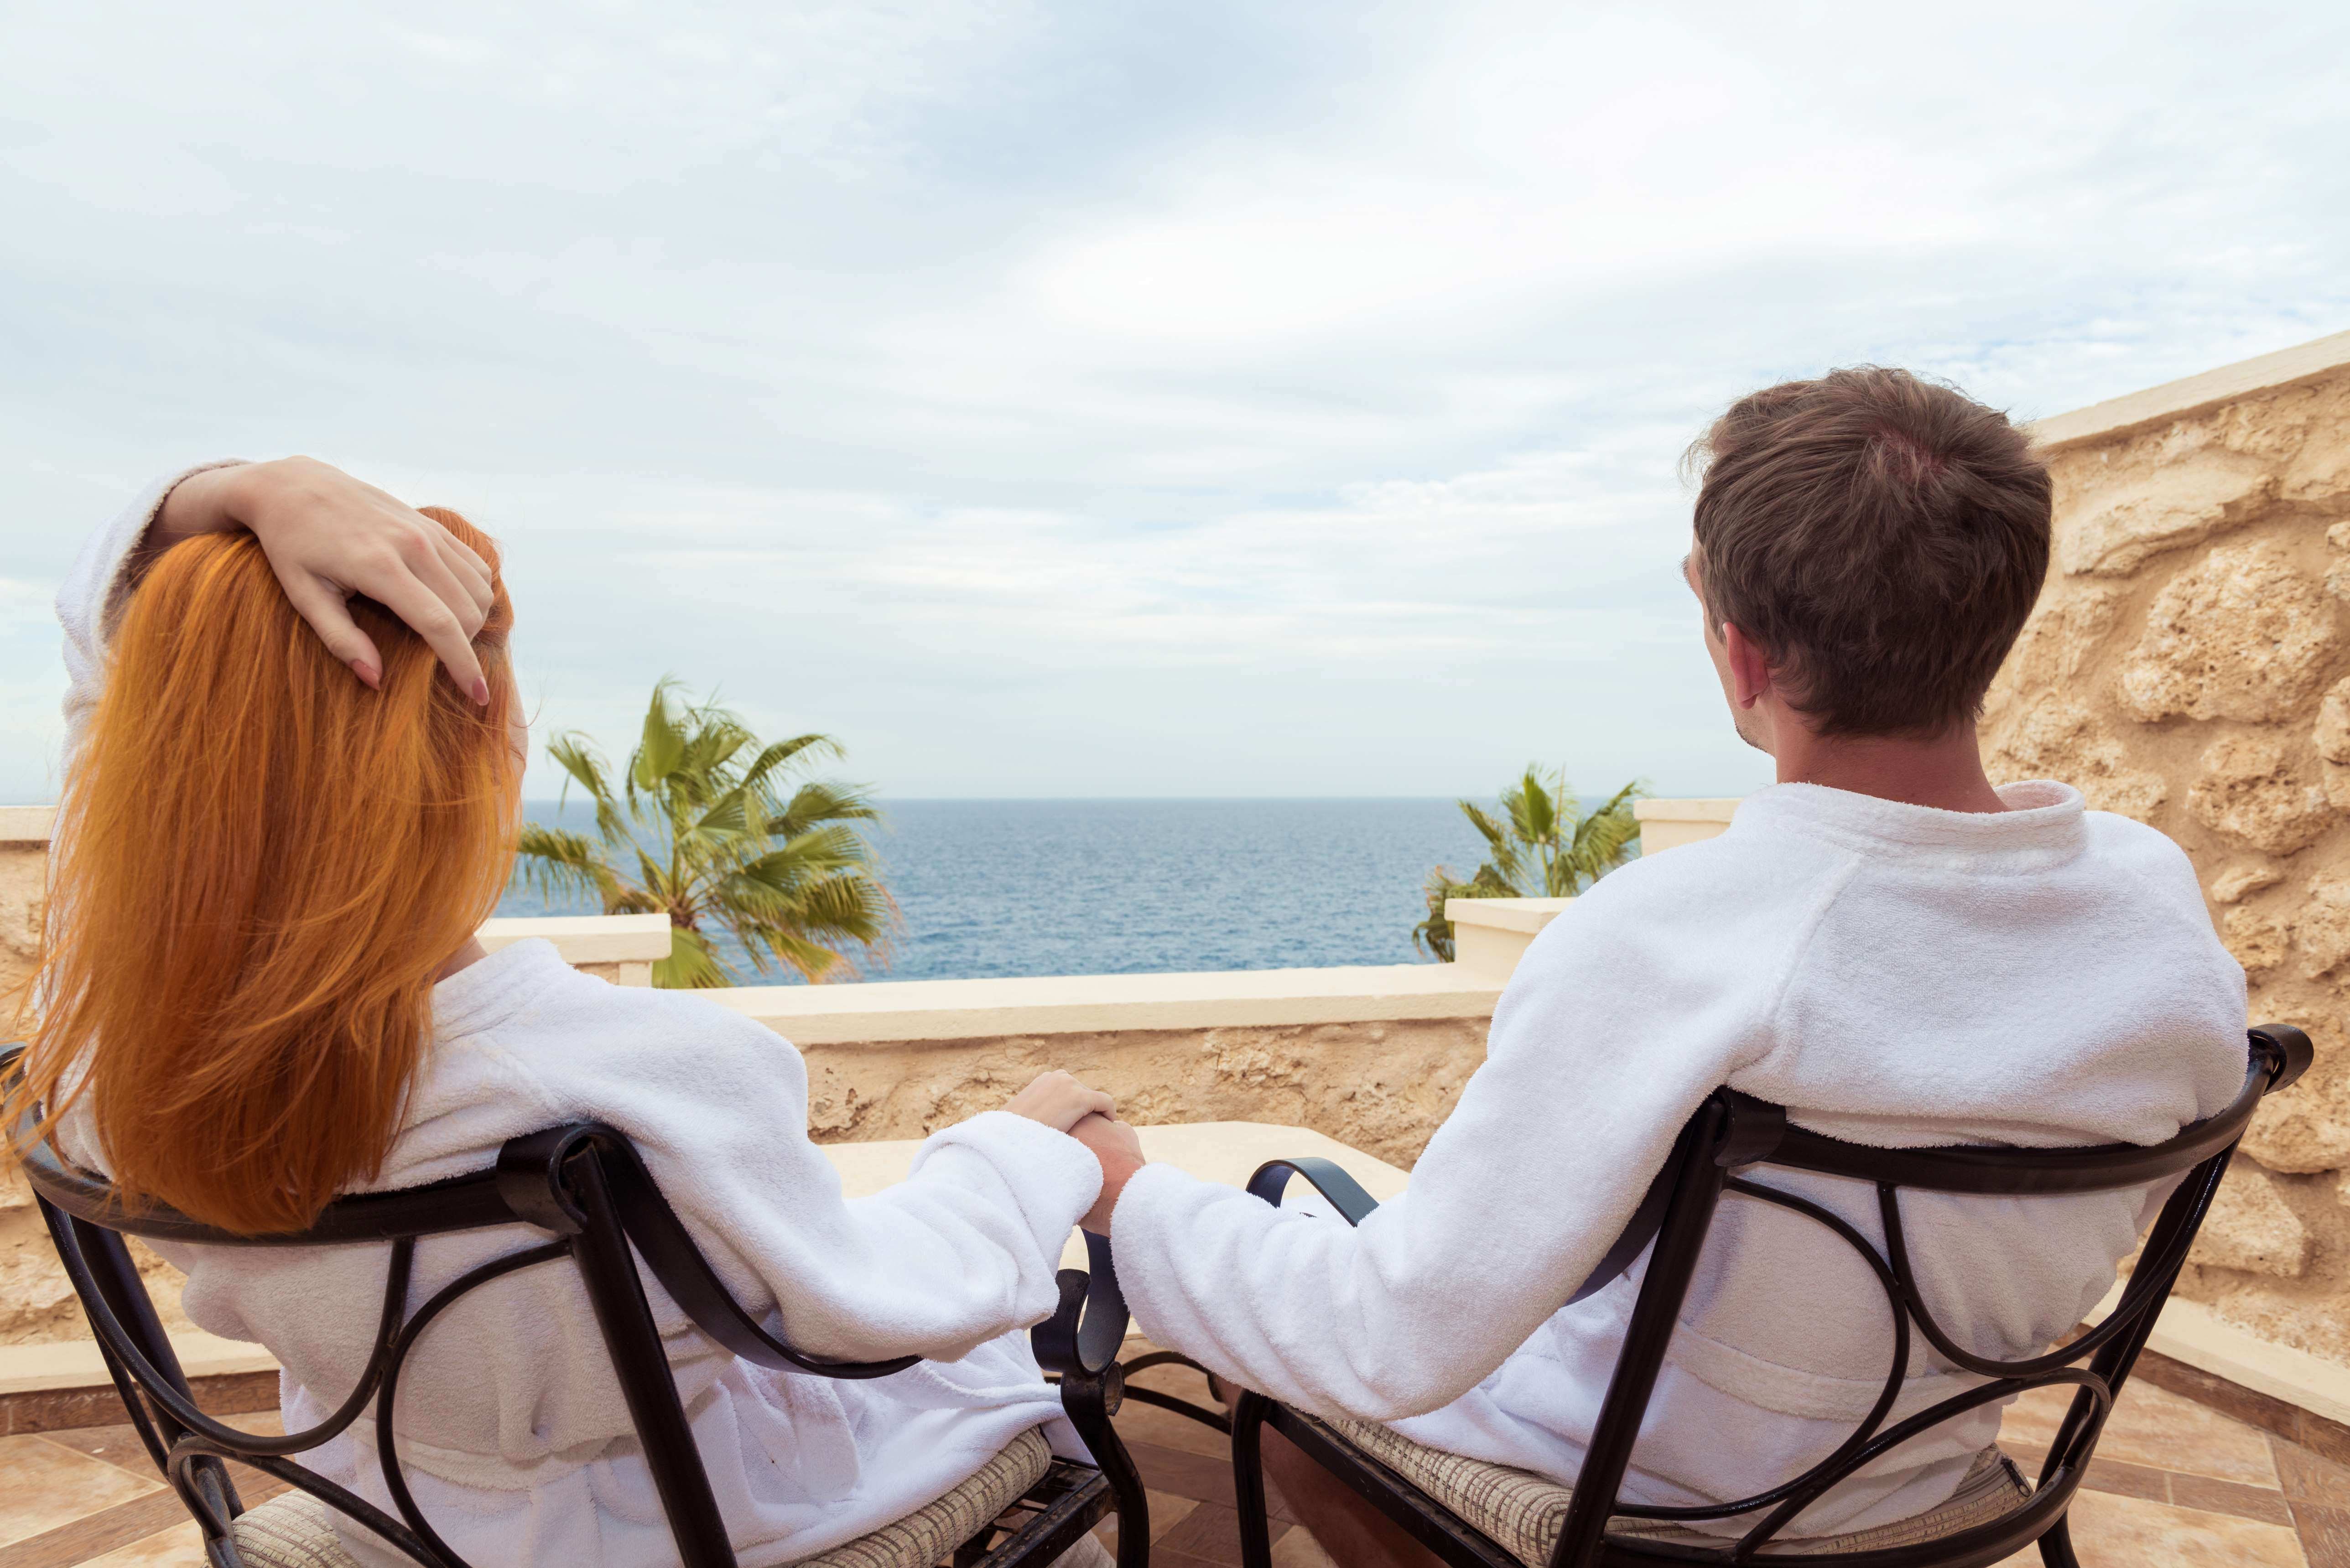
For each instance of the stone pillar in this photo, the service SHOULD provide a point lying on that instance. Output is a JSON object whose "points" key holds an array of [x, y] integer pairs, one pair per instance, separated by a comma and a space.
{"points": [[23, 863], [2189, 666]]}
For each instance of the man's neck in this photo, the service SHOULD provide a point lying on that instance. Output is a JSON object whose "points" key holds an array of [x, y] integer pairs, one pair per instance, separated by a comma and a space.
{"points": [[1945, 772]]}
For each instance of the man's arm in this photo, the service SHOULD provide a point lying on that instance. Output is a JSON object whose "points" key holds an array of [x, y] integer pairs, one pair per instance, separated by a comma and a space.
{"points": [[1620, 1020]]}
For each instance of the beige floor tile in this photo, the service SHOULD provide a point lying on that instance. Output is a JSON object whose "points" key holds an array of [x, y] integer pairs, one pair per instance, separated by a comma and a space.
{"points": [[1139, 1423], [1300, 1550], [2153, 1427], [1167, 1512], [181, 1546], [2128, 1533], [45, 1484]]}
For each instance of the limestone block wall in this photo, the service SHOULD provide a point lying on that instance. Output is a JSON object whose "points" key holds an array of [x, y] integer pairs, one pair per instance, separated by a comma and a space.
{"points": [[2189, 665], [1380, 1086]]}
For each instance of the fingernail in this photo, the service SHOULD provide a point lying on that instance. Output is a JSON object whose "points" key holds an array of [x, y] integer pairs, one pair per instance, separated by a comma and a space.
{"points": [[368, 675], [481, 691]]}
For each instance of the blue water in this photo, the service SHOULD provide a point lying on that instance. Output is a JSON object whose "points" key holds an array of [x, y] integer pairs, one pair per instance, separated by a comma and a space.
{"points": [[1136, 886]]}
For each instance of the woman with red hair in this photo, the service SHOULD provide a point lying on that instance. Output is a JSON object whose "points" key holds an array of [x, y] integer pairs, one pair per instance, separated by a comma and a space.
{"points": [[260, 988]]}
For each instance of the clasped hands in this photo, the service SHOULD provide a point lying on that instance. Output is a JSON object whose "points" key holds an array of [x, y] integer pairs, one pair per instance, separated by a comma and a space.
{"points": [[1063, 1103]]}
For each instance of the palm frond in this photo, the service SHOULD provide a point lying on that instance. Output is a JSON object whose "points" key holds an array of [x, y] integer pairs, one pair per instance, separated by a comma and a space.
{"points": [[724, 845], [661, 744], [559, 863], [1539, 826], [691, 964]]}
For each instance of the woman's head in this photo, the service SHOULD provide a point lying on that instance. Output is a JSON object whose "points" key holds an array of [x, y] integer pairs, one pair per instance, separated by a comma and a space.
{"points": [[261, 869]]}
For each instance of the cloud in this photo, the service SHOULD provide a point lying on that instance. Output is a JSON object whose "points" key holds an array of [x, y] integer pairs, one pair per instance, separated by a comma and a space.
{"points": [[1170, 398]]}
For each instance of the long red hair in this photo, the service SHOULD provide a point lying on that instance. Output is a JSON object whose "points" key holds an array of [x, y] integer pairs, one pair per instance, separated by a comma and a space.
{"points": [[259, 869]]}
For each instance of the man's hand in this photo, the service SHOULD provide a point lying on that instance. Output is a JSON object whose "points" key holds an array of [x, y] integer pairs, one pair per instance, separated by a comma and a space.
{"points": [[1120, 1153], [328, 537], [1060, 1102]]}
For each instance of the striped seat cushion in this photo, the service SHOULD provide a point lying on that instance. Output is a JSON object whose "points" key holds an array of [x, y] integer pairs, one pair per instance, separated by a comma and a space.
{"points": [[1523, 1512], [294, 1529]]}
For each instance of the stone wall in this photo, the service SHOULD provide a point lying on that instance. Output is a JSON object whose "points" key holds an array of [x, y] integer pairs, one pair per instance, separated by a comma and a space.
{"points": [[22, 868], [1382, 1086], [2189, 666]]}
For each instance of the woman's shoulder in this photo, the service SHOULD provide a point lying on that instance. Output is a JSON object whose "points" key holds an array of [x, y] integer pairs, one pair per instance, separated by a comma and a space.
{"points": [[526, 1002]]}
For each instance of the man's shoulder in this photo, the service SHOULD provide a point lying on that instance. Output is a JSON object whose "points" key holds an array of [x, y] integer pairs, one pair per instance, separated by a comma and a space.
{"points": [[1712, 866], [1734, 890]]}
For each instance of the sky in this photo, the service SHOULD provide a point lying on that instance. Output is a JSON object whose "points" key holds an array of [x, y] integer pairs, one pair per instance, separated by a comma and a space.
{"points": [[1072, 400]]}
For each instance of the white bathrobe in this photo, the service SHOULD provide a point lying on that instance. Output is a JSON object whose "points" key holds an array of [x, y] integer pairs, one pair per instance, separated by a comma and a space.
{"points": [[1898, 976], [515, 1440]]}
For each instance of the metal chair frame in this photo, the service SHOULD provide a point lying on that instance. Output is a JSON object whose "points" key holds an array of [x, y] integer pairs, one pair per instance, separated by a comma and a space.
{"points": [[1730, 1137], [584, 1184]]}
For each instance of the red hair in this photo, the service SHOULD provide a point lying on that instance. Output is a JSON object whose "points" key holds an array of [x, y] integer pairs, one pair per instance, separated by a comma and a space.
{"points": [[260, 869]]}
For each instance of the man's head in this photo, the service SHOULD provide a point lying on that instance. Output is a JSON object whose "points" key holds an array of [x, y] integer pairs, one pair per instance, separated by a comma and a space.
{"points": [[1877, 540]]}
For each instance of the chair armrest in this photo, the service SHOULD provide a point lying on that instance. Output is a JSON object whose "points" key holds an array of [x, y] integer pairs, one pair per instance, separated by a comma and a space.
{"points": [[2287, 1050], [1345, 1193], [1086, 1331]]}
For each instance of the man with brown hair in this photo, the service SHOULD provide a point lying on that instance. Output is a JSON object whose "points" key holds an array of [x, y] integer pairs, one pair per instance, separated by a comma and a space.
{"points": [[1883, 941]]}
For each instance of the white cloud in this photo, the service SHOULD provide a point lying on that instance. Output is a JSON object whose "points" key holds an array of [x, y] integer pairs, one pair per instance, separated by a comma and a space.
{"points": [[1049, 399]]}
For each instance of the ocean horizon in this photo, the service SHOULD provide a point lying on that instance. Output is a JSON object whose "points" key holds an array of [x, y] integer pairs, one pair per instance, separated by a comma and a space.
{"points": [[991, 888]]}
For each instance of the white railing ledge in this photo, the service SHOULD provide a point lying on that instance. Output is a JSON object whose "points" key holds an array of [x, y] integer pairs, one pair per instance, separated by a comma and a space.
{"points": [[586, 939], [1685, 810], [885, 1011], [76, 1363], [2192, 1333], [1526, 915], [28, 823]]}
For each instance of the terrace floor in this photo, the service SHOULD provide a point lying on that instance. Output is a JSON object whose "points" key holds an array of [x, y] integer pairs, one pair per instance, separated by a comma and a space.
{"points": [[2177, 1486]]}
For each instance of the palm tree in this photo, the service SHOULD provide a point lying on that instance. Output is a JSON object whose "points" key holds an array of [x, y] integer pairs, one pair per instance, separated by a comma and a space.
{"points": [[701, 831], [1542, 844]]}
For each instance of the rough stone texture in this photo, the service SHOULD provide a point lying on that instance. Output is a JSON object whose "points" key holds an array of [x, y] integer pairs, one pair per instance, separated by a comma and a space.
{"points": [[2256, 789], [2118, 527], [2241, 634], [2306, 1129], [22, 868], [2258, 940], [2053, 737], [2187, 666], [2251, 1228], [2322, 928], [35, 1303], [1381, 1087], [2238, 880]]}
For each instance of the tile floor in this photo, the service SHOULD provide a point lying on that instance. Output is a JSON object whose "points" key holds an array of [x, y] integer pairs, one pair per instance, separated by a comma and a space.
{"points": [[2176, 1486]]}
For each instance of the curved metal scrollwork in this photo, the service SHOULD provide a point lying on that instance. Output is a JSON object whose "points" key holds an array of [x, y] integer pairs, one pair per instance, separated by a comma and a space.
{"points": [[2132, 1317]]}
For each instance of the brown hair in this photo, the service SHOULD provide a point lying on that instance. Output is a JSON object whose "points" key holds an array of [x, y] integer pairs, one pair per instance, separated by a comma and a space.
{"points": [[260, 869], [1883, 538]]}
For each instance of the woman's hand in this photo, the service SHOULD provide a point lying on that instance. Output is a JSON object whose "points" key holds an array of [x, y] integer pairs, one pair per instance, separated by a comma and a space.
{"points": [[330, 536], [1120, 1152], [1060, 1102]]}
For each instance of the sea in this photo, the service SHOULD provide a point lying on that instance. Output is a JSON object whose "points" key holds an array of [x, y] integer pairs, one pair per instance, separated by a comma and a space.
{"points": [[1003, 888]]}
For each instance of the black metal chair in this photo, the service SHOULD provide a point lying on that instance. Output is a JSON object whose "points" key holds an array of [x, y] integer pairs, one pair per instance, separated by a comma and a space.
{"points": [[1730, 1137], [585, 1185]]}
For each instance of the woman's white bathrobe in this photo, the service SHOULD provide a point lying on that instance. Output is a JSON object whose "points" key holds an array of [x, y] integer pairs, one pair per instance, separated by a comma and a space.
{"points": [[515, 1438], [1898, 976]]}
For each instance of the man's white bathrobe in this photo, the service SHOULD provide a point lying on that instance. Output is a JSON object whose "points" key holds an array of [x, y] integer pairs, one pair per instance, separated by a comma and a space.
{"points": [[1896, 975], [514, 1437]]}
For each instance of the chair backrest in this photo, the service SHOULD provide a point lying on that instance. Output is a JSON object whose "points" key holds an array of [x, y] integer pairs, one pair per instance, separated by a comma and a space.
{"points": [[583, 1182], [1733, 1135]]}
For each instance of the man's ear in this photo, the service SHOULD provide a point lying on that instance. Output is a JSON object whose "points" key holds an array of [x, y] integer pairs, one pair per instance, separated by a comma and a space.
{"points": [[1750, 666]]}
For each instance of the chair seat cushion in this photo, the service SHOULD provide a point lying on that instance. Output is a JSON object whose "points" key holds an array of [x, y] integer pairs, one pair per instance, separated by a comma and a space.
{"points": [[296, 1530], [930, 1534], [1523, 1512]]}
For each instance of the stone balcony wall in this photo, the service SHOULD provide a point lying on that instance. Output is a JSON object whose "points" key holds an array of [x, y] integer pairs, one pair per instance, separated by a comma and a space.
{"points": [[2189, 665]]}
